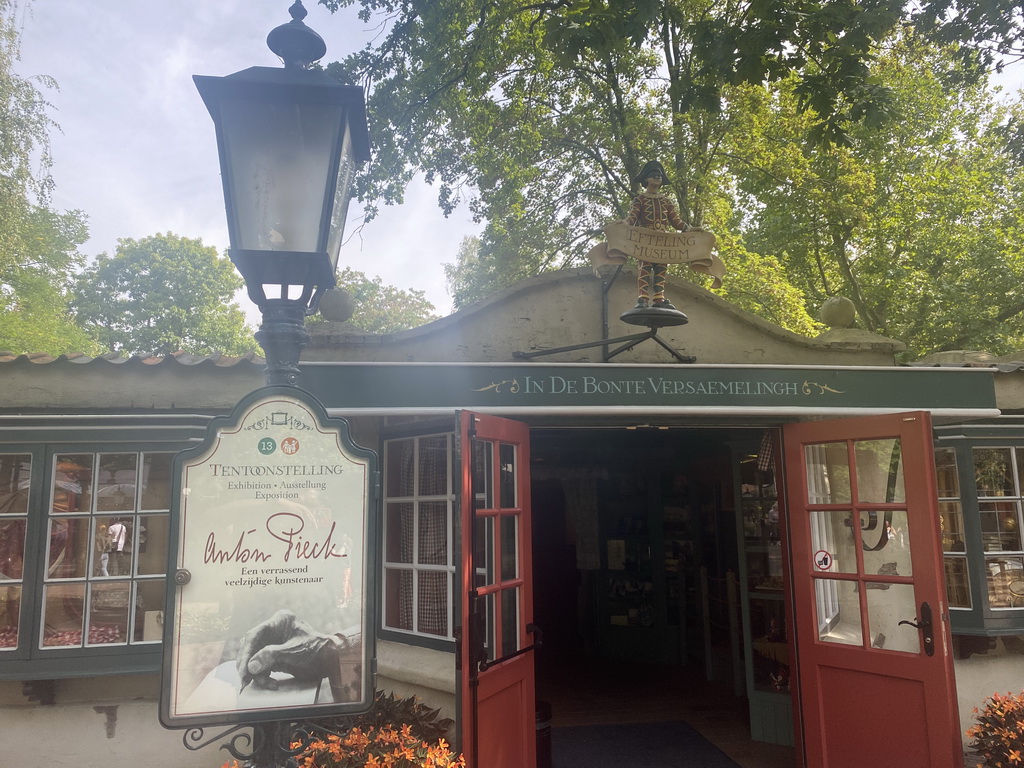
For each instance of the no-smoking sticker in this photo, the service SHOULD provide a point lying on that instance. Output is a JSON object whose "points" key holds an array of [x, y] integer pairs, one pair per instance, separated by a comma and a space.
{"points": [[823, 560]]}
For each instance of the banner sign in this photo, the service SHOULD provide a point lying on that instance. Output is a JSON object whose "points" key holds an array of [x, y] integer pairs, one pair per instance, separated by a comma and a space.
{"points": [[693, 248], [270, 605], [533, 387]]}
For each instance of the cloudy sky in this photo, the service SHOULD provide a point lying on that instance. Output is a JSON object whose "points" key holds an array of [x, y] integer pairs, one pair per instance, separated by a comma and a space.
{"points": [[137, 151]]}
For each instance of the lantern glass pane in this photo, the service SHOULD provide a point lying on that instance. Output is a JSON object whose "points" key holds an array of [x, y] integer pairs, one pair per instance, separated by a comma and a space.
{"points": [[279, 156], [346, 170]]}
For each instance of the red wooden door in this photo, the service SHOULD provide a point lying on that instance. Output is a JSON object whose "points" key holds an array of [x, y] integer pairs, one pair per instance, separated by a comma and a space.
{"points": [[498, 726], [874, 689]]}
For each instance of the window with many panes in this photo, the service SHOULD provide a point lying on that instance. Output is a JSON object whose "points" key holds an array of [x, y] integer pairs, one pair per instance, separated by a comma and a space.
{"points": [[15, 480], [107, 528], [419, 569], [951, 526], [83, 558], [980, 483], [997, 472]]}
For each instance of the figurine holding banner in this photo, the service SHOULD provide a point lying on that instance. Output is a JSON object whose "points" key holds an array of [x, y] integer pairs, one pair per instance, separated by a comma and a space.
{"points": [[646, 235]]}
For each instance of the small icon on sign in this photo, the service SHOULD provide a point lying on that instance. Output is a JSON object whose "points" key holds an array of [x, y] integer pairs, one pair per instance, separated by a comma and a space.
{"points": [[266, 446], [822, 560], [290, 446]]}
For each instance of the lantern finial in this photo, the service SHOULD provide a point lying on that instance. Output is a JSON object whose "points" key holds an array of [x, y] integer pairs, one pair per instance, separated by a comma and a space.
{"points": [[296, 44]]}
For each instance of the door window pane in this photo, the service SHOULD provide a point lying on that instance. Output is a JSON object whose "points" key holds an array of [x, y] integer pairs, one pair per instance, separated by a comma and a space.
{"points": [[483, 453], [483, 550], [485, 604], [828, 473], [886, 538], [832, 541], [509, 547], [838, 611], [888, 605], [508, 476], [879, 471], [509, 621]]}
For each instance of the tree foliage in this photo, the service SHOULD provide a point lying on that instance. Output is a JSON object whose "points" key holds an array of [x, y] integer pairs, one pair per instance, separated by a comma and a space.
{"points": [[162, 294], [541, 113], [381, 308], [38, 245], [466, 279], [918, 225]]}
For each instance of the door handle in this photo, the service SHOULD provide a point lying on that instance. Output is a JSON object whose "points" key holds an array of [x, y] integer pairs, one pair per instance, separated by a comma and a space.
{"points": [[538, 634], [925, 625]]}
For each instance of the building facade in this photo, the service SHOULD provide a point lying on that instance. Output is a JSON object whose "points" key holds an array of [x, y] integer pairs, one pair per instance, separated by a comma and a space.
{"points": [[544, 467]]}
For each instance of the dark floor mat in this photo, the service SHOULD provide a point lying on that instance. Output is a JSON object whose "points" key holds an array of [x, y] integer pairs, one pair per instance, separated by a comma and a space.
{"points": [[640, 745]]}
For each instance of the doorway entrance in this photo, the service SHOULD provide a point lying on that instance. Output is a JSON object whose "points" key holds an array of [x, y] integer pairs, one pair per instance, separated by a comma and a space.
{"points": [[637, 568]]}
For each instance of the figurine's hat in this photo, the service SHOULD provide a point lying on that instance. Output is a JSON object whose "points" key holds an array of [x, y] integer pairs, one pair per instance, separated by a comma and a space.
{"points": [[651, 168]]}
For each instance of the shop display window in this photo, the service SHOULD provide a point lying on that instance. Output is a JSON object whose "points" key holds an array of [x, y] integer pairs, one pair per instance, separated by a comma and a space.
{"points": [[84, 537], [980, 485], [15, 480], [106, 549]]}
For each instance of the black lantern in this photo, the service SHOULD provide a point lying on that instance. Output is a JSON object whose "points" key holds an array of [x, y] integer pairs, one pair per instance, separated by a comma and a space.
{"points": [[289, 142]]}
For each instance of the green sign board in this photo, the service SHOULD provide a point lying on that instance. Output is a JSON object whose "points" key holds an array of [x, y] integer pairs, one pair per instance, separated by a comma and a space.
{"points": [[536, 387]]}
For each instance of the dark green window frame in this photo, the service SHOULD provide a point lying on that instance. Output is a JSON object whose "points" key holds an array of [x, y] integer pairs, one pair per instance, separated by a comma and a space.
{"points": [[984, 512], [130, 572]]}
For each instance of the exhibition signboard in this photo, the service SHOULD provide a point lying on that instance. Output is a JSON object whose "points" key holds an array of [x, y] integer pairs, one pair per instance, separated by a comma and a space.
{"points": [[271, 603]]}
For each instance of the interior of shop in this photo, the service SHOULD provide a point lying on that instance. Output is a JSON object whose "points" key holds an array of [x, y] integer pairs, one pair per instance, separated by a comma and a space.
{"points": [[653, 548]]}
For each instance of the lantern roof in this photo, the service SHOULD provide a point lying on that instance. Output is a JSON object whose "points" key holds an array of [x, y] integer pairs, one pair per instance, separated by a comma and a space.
{"points": [[295, 85]]}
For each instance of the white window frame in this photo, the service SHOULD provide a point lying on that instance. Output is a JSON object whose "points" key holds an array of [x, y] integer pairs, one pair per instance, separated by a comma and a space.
{"points": [[416, 499]]}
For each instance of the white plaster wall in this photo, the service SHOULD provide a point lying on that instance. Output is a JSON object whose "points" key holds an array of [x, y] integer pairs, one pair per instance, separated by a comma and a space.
{"points": [[110, 722], [408, 670], [113, 721], [563, 308]]}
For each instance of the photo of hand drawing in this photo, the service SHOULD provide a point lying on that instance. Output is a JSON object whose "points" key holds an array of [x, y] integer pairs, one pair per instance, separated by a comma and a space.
{"points": [[283, 662]]}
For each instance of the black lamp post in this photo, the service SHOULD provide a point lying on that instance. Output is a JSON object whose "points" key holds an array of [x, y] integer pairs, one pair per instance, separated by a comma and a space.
{"points": [[289, 141]]}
